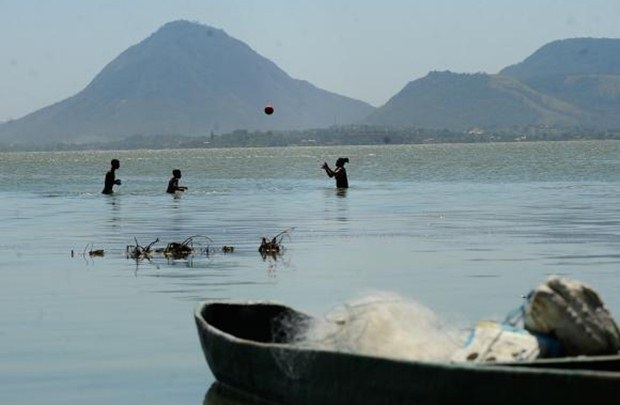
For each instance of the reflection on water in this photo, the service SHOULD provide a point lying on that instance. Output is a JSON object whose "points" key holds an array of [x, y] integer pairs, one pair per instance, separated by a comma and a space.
{"points": [[336, 208], [114, 204], [277, 263], [219, 394], [342, 192]]}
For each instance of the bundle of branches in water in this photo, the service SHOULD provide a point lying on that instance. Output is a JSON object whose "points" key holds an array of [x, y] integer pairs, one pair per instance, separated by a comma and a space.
{"points": [[138, 252], [273, 247], [180, 250]]}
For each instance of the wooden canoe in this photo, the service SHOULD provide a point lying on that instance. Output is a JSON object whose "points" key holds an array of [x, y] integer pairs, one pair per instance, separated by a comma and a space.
{"points": [[245, 352]]}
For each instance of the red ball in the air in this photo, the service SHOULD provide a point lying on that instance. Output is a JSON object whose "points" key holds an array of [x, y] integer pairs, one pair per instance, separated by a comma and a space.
{"points": [[269, 109]]}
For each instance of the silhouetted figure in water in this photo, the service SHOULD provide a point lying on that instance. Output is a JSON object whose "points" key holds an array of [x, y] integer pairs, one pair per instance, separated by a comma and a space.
{"points": [[340, 173], [110, 177], [173, 183]]}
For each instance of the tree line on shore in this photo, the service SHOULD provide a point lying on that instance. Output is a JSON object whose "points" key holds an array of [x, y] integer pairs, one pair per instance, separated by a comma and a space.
{"points": [[337, 135]]}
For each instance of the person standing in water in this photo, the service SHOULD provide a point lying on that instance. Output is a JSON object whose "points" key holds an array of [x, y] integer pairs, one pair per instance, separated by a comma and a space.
{"points": [[340, 173], [110, 177], [173, 183]]}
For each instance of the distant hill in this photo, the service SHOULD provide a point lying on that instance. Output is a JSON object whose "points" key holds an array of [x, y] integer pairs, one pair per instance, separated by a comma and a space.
{"points": [[187, 79], [461, 101], [581, 71], [193, 80], [568, 83], [576, 56]]}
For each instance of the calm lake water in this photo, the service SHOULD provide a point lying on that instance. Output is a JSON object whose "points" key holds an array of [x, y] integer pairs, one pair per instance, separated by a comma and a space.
{"points": [[462, 229]]}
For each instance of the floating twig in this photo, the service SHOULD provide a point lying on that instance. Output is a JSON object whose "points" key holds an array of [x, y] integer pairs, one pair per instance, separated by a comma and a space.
{"points": [[89, 251], [138, 252], [96, 253]]}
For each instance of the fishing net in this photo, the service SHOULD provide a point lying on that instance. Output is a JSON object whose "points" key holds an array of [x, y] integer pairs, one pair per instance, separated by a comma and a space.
{"points": [[383, 325]]}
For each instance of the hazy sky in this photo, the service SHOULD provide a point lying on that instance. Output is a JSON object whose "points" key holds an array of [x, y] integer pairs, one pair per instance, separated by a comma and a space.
{"points": [[369, 50]]}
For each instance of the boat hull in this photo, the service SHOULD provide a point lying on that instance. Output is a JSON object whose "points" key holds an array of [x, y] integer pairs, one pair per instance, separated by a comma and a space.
{"points": [[239, 346]]}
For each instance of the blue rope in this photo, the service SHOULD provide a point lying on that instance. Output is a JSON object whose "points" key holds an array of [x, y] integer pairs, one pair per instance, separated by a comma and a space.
{"points": [[515, 316]]}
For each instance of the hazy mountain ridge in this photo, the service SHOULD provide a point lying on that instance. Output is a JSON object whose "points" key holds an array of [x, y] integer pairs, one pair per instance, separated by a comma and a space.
{"points": [[581, 71], [189, 79], [193, 80], [582, 56], [567, 83], [460, 101]]}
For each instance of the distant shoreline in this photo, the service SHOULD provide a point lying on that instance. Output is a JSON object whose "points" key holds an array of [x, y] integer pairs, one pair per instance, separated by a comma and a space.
{"points": [[334, 136]]}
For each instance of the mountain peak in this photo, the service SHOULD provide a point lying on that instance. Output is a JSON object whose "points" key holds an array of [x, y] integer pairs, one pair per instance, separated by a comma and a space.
{"points": [[186, 28], [190, 79], [581, 56]]}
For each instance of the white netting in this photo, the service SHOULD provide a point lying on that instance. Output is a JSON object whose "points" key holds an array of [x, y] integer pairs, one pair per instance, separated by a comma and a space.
{"points": [[383, 325]]}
